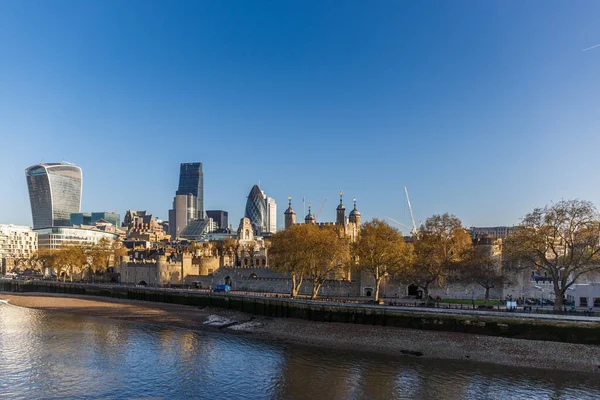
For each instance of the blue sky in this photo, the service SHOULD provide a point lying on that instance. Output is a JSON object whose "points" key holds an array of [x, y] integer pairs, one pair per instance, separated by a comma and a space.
{"points": [[482, 109]]}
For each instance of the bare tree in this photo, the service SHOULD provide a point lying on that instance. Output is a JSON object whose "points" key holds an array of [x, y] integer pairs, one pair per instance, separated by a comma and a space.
{"points": [[484, 267], [562, 240]]}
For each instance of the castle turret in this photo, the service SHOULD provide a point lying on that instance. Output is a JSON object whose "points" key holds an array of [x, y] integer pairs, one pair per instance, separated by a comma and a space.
{"points": [[310, 219], [340, 212], [290, 214], [354, 215]]}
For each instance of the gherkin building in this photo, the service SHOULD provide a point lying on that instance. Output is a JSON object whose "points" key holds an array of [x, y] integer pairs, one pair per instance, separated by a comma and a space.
{"points": [[256, 210]]}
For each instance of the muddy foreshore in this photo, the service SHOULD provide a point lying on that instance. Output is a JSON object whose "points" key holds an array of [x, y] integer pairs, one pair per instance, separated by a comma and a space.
{"points": [[342, 336]]}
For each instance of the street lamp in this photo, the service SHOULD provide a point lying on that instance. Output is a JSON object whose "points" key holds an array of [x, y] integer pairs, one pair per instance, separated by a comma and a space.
{"points": [[541, 289]]}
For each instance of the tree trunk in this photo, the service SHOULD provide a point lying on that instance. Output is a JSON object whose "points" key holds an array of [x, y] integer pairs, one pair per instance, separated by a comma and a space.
{"points": [[487, 295], [558, 301], [426, 291], [315, 289], [296, 284], [558, 294], [377, 284]]}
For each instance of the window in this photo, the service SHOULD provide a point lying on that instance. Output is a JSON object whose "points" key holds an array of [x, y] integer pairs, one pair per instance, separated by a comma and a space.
{"points": [[583, 301], [596, 301]]}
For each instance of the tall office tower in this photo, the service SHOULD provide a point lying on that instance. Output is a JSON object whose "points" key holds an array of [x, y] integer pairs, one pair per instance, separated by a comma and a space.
{"points": [[271, 215], [256, 210], [191, 181], [54, 193], [183, 212], [220, 217]]}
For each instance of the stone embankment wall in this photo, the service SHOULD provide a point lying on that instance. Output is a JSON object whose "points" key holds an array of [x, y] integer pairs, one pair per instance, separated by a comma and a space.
{"points": [[265, 281], [494, 325]]}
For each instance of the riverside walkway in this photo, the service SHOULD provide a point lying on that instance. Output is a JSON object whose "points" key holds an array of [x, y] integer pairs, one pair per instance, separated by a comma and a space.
{"points": [[352, 303]]}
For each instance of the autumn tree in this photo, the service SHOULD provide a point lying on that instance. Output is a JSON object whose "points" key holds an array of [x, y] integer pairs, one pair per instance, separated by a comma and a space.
{"points": [[118, 250], [483, 267], [98, 256], [441, 245], [380, 251], [562, 240], [45, 258], [288, 254], [70, 259], [326, 254]]}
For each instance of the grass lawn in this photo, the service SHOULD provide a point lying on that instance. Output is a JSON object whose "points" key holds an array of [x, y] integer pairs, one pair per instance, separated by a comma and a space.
{"points": [[469, 301]]}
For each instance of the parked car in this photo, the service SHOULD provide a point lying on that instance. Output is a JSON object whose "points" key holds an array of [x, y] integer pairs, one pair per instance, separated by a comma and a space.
{"points": [[222, 288]]}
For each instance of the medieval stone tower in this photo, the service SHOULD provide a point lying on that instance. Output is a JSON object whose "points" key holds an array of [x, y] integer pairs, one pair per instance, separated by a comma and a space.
{"points": [[310, 219], [354, 215], [340, 213], [290, 214]]}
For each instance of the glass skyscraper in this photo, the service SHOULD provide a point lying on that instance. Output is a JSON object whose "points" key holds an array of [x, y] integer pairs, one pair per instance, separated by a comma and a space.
{"points": [[191, 181], [257, 210], [54, 193]]}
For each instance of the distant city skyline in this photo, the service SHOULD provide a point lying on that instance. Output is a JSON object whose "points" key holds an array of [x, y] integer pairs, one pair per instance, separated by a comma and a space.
{"points": [[483, 110]]}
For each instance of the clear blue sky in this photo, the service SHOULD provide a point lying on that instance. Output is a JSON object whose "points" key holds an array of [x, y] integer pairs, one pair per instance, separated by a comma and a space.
{"points": [[483, 109]]}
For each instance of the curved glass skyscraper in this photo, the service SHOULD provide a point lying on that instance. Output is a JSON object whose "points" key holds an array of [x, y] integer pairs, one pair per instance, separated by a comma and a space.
{"points": [[256, 210], [262, 211], [54, 193]]}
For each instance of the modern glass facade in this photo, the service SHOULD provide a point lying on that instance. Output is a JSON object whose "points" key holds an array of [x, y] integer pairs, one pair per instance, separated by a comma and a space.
{"points": [[52, 238], [54, 193], [256, 210], [191, 181], [220, 217], [111, 217], [81, 219], [90, 218]]}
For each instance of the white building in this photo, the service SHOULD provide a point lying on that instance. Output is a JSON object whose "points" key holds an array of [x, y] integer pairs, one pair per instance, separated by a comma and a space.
{"points": [[495, 232], [52, 238], [17, 242], [271, 215]]}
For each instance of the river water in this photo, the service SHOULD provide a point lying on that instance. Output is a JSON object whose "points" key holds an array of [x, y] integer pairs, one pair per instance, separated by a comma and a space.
{"points": [[52, 355]]}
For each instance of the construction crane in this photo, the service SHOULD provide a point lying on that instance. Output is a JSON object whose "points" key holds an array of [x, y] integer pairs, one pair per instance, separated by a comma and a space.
{"points": [[412, 218], [400, 223], [320, 209]]}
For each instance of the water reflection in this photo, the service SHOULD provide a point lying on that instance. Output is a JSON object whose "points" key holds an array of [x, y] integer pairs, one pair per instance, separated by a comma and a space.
{"points": [[53, 355]]}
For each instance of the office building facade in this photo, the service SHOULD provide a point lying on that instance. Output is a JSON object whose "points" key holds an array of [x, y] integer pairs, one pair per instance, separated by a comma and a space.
{"points": [[271, 215], [183, 212], [191, 181], [52, 238], [219, 217], [54, 193], [17, 242], [261, 211]]}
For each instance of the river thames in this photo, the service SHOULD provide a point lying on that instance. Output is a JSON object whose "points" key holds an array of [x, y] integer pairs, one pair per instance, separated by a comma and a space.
{"points": [[53, 355]]}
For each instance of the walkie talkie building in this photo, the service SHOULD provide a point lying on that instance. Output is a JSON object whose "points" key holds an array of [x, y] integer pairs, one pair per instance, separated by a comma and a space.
{"points": [[54, 193]]}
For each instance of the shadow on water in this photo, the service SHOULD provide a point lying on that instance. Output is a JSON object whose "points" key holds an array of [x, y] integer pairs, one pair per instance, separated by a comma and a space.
{"points": [[55, 355]]}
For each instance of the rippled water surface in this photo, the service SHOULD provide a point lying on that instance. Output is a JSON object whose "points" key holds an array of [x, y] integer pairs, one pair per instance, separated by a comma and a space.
{"points": [[51, 355]]}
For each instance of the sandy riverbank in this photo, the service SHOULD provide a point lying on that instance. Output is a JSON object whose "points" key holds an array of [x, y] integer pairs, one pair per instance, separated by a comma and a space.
{"points": [[376, 339]]}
